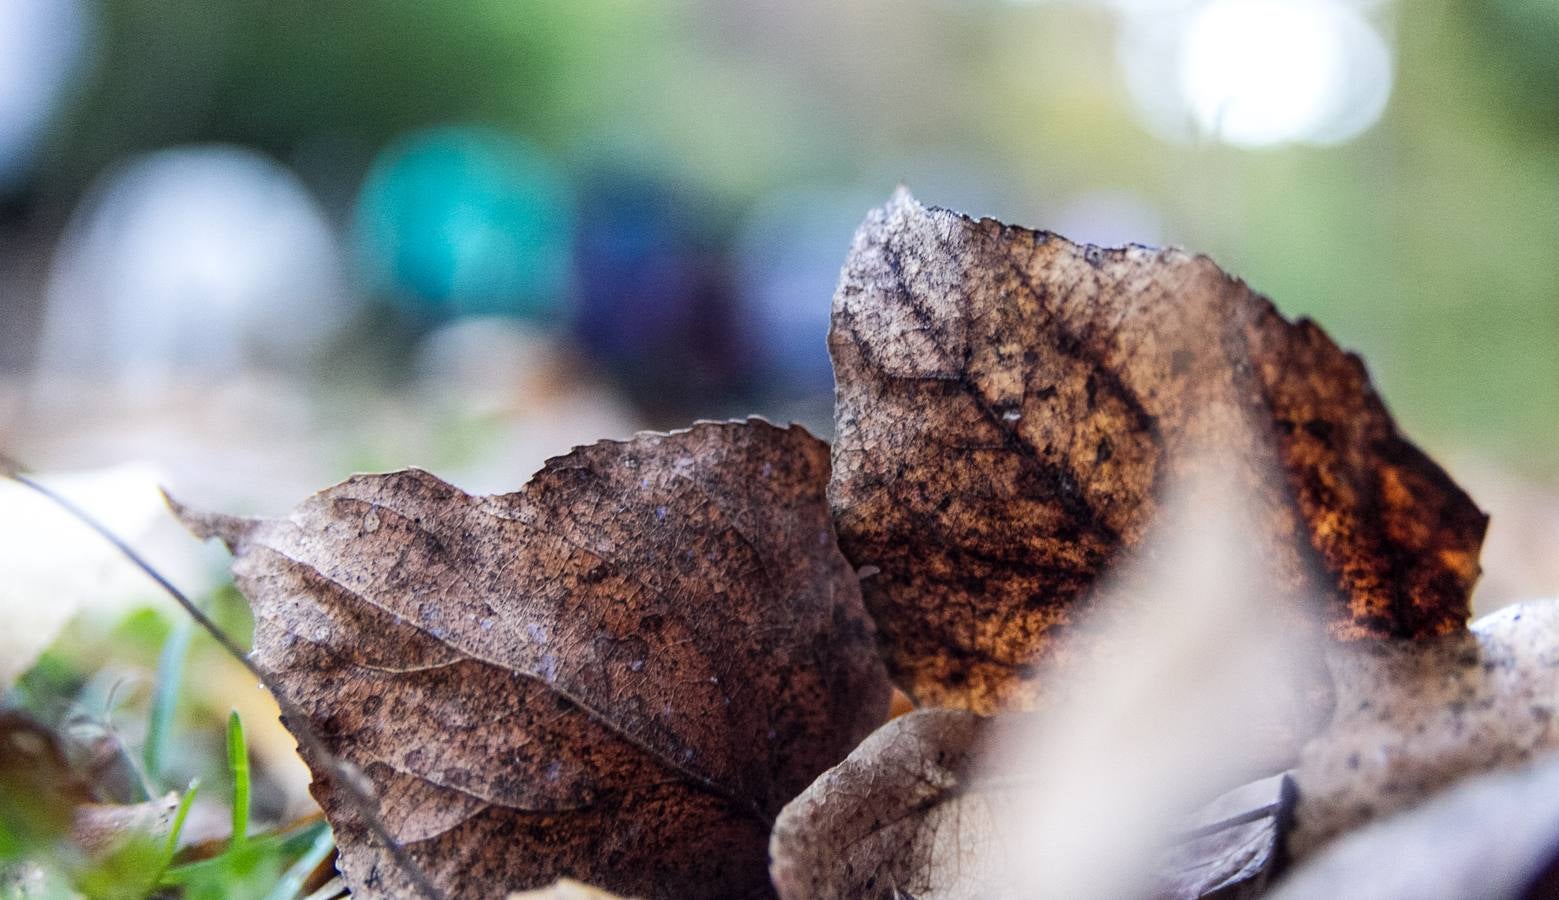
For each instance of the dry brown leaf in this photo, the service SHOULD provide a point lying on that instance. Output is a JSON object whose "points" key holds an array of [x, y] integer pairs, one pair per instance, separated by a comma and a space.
{"points": [[39, 789], [1095, 796], [1413, 718], [618, 674], [1009, 404], [99, 828], [54, 814]]}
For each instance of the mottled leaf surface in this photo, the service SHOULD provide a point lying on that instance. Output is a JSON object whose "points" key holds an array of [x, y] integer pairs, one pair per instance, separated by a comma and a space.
{"points": [[618, 674], [1415, 717], [1009, 404]]}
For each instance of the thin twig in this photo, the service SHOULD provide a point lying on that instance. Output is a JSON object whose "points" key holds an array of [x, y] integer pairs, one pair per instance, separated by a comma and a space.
{"points": [[297, 721], [1241, 818]]}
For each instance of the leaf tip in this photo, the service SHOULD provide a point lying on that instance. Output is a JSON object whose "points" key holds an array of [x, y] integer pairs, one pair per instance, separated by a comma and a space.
{"points": [[232, 530]]}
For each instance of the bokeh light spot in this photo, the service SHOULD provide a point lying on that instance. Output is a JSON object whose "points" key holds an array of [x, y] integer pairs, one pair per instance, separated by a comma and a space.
{"points": [[1262, 72], [466, 221], [42, 44], [210, 258]]}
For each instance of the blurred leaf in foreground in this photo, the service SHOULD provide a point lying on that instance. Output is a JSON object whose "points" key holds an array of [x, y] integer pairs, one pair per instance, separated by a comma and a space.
{"points": [[53, 832], [1199, 684]]}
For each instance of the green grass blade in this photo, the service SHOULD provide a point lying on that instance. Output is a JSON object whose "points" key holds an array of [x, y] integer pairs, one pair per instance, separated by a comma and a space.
{"points": [[238, 764], [170, 675], [291, 882], [262, 846], [179, 815]]}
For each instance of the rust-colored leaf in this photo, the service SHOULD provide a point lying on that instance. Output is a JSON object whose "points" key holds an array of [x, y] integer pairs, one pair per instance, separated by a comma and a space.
{"points": [[618, 674], [1010, 403]]}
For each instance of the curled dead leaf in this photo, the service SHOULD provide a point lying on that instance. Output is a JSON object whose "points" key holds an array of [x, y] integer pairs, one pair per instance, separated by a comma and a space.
{"points": [[893, 819], [619, 673], [39, 789], [1493, 837], [1414, 717], [1009, 404], [54, 815]]}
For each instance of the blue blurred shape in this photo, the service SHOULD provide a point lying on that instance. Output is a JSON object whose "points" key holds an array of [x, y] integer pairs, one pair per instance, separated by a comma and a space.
{"points": [[638, 270], [788, 254], [463, 221], [207, 258], [42, 49], [654, 298]]}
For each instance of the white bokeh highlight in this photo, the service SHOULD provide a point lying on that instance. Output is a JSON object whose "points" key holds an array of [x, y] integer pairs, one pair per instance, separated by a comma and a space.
{"points": [[1253, 73], [1261, 72], [43, 45], [209, 259]]}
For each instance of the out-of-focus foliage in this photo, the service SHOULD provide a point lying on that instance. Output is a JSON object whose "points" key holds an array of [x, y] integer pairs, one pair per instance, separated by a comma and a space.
{"points": [[81, 813], [1423, 241]]}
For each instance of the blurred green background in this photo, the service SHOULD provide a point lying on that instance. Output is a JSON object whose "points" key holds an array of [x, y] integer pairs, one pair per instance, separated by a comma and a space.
{"points": [[669, 187], [247, 248]]}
